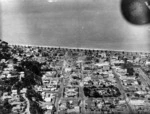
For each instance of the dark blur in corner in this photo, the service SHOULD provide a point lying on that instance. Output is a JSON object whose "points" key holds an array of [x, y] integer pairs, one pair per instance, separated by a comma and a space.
{"points": [[0, 21], [136, 11]]}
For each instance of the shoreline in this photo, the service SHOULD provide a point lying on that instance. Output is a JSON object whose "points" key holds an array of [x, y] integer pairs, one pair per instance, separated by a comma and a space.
{"points": [[81, 48]]}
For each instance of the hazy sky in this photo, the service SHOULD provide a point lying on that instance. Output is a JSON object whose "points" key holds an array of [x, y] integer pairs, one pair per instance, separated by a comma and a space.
{"points": [[71, 23]]}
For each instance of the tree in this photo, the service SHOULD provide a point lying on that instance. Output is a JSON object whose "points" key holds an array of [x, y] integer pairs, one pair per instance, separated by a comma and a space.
{"points": [[32, 93], [33, 66], [5, 107], [130, 71]]}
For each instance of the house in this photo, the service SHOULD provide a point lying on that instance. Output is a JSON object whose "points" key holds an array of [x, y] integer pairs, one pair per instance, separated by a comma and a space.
{"points": [[137, 102], [104, 66], [49, 97], [9, 75], [16, 108], [39, 88], [14, 92], [54, 82], [48, 112], [10, 66], [114, 57], [3, 76], [6, 71], [71, 93], [43, 94], [49, 107], [122, 102], [137, 60], [53, 88], [23, 91], [68, 69], [141, 92], [86, 79], [62, 106], [76, 109], [147, 63], [99, 105], [22, 74], [117, 62], [6, 96]]}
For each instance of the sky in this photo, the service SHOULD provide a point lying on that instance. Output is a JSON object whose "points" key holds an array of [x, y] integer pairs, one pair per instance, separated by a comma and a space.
{"points": [[71, 23]]}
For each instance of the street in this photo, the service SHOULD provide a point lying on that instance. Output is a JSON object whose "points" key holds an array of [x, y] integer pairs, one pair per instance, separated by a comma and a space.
{"points": [[27, 111], [121, 88], [144, 78]]}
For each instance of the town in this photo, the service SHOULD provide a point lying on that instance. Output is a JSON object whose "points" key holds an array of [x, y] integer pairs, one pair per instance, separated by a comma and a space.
{"points": [[49, 80]]}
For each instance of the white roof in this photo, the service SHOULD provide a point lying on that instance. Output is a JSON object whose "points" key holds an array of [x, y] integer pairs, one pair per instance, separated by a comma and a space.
{"points": [[87, 78], [21, 72], [137, 102], [121, 101], [141, 92], [70, 90], [99, 105], [24, 90], [130, 61], [76, 108], [102, 64], [68, 69], [49, 107], [10, 65], [48, 99], [147, 63], [126, 78], [14, 91], [117, 61], [9, 75]]}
